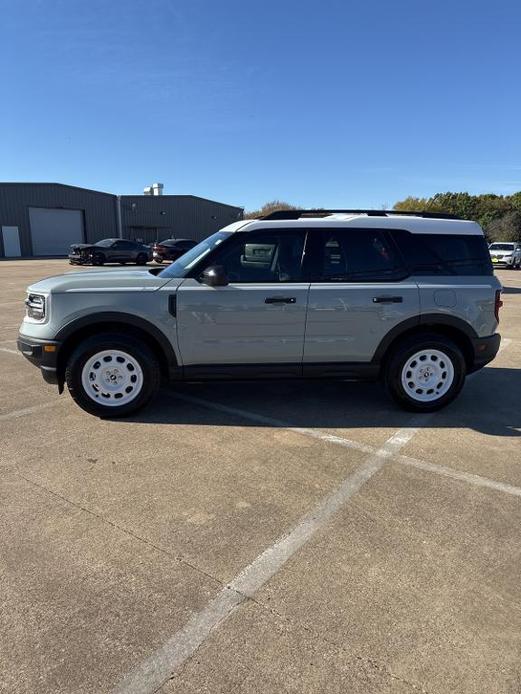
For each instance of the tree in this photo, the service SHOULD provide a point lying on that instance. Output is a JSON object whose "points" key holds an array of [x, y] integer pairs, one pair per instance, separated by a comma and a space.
{"points": [[268, 207], [507, 228]]}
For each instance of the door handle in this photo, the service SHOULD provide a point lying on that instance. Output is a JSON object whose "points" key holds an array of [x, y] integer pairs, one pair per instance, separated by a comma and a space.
{"points": [[387, 299], [280, 300]]}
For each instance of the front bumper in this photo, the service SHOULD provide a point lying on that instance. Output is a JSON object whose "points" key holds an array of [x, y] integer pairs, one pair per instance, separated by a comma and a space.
{"points": [[43, 354], [485, 349]]}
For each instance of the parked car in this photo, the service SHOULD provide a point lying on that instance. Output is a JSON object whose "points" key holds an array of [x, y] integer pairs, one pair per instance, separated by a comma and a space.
{"points": [[110, 251], [410, 299], [505, 254], [171, 249]]}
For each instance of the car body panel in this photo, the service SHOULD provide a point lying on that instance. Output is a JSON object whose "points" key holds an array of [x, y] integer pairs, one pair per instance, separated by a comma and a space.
{"points": [[233, 324], [344, 323]]}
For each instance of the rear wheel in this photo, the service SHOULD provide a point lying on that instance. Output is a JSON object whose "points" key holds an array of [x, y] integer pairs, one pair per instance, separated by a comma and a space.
{"points": [[425, 372], [112, 375], [141, 259]]}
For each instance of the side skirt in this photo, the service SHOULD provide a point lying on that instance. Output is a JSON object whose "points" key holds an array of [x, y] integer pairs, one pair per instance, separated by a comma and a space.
{"points": [[358, 371]]}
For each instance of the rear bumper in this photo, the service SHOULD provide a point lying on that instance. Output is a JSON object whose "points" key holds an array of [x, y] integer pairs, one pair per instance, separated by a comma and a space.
{"points": [[485, 349], [43, 354]]}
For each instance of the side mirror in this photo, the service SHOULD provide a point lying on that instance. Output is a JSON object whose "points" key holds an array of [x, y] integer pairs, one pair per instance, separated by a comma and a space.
{"points": [[215, 276]]}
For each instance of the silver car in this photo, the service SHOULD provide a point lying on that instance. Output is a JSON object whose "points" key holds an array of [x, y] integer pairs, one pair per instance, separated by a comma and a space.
{"points": [[408, 299]]}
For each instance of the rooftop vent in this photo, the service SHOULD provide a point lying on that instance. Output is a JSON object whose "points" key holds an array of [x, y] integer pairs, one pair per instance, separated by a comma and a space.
{"points": [[154, 189]]}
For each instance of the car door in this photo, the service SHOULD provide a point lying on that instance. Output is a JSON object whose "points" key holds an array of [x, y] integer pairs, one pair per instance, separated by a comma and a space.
{"points": [[117, 252], [360, 290], [258, 319]]}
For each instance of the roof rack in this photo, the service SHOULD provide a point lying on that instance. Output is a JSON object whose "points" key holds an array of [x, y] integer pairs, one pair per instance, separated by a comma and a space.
{"points": [[298, 214]]}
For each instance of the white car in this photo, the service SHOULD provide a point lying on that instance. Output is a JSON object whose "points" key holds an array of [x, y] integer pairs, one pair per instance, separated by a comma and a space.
{"points": [[505, 254]]}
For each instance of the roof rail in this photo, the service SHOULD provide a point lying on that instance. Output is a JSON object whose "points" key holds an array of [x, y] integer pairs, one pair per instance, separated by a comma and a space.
{"points": [[297, 214]]}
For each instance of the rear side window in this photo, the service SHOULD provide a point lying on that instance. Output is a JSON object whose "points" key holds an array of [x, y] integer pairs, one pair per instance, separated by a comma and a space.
{"points": [[444, 254], [358, 255]]}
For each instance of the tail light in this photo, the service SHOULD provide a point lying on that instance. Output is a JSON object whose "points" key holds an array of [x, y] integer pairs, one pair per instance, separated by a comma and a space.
{"points": [[497, 304]]}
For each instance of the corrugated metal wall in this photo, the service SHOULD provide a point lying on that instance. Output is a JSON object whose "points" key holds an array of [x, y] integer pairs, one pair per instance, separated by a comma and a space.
{"points": [[142, 216], [16, 198], [179, 216]]}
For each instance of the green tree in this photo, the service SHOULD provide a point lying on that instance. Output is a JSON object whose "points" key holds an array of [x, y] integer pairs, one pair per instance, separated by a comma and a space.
{"points": [[506, 228]]}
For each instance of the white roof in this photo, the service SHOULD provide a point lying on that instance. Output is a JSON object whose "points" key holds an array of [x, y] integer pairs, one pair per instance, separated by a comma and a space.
{"points": [[416, 225]]}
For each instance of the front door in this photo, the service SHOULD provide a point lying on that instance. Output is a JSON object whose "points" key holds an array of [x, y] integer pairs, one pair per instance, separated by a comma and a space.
{"points": [[259, 318], [360, 291]]}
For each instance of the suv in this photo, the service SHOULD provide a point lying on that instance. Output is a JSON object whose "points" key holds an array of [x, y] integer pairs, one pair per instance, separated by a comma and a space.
{"points": [[506, 254], [406, 297]]}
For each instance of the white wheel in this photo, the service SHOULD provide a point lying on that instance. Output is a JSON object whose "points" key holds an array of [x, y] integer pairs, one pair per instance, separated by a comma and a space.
{"points": [[427, 375], [112, 378]]}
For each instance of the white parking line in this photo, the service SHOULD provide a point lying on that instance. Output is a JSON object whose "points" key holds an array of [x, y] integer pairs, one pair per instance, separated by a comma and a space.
{"points": [[10, 351], [149, 675], [28, 410]]}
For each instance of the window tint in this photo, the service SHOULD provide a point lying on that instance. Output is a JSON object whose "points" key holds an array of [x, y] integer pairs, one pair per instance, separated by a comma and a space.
{"points": [[444, 254], [125, 245], [358, 255], [263, 257]]}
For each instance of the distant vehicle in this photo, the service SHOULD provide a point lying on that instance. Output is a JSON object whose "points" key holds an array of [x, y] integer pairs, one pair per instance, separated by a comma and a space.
{"points": [[505, 254], [110, 251], [171, 249]]}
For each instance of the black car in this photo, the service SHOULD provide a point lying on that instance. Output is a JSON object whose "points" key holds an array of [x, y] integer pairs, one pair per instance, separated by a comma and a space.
{"points": [[171, 249], [110, 251]]}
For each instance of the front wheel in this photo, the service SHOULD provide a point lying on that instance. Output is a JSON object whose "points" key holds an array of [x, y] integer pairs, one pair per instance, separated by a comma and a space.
{"points": [[112, 375], [98, 259], [425, 372]]}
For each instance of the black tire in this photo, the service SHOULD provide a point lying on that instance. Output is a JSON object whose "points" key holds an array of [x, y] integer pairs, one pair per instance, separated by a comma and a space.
{"points": [[397, 361], [132, 346], [98, 259], [158, 260], [122, 262], [141, 259]]}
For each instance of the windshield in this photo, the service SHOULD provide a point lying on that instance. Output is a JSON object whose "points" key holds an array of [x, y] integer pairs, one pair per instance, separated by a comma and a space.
{"points": [[182, 266], [501, 247], [105, 243]]}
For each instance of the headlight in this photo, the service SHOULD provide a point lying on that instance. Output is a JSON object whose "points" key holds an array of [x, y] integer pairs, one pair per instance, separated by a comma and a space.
{"points": [[35, 306]]}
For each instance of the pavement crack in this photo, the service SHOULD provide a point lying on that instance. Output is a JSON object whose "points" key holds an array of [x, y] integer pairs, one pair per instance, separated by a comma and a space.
{"points": [[103, 519]]}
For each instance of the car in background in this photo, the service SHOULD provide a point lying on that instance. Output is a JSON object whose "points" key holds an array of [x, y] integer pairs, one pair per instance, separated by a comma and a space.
{"points": [[110, 251], [171, 249], [505, 254]]}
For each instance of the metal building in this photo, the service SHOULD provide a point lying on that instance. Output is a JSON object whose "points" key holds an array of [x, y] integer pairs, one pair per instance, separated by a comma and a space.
{"points": [[44, 219]]}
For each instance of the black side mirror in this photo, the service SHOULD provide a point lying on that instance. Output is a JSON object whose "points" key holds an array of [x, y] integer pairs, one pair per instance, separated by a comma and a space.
{"points": [[215, 276]]}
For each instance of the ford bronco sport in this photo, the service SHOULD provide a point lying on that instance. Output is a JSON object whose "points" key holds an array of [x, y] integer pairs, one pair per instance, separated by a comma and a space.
{"points": [[407, 298]]}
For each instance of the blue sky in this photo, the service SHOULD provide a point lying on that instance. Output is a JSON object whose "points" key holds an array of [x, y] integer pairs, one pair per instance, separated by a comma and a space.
{"points": [[332, 103]]}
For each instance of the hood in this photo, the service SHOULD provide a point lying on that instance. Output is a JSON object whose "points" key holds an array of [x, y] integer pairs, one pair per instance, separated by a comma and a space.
{"points": [[103, 281], [82, 245]]}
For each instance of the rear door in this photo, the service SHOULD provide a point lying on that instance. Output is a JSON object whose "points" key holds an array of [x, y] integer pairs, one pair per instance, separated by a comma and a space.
{"points": [[360, 291], [259, 317]]}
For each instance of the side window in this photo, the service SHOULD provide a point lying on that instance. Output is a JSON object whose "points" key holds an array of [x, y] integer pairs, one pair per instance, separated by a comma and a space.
{"points": [[124, 245], [444, 254], [358, 255], [263, 257]]}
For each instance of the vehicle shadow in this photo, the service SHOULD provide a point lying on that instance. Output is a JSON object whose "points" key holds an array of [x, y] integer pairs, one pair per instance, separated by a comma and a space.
{"points": [[511, 290], [490, 403]]}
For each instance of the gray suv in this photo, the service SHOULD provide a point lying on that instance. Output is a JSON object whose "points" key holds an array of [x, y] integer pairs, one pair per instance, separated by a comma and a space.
{"points": [[407, 298]]}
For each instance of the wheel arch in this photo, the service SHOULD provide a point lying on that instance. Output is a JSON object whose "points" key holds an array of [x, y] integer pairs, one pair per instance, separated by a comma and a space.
{"points": [[459, 331], [76, 331]]}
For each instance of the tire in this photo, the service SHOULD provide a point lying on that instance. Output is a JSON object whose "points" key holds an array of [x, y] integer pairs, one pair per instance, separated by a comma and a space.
{"points": [[98, 259], [141, 259], [122, 262], [132, 366], [407, 370], [158, 260]]}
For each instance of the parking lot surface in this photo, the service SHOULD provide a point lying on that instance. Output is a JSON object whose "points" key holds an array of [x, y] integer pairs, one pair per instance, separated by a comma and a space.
{"points": [[259, 537]]}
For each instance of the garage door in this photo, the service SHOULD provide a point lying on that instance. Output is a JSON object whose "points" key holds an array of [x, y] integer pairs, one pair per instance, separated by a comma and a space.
{"points": [[53, 231]]}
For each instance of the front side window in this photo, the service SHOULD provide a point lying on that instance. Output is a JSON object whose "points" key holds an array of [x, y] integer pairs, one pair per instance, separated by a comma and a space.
{"points": [[269, 256], [357, 255]]}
